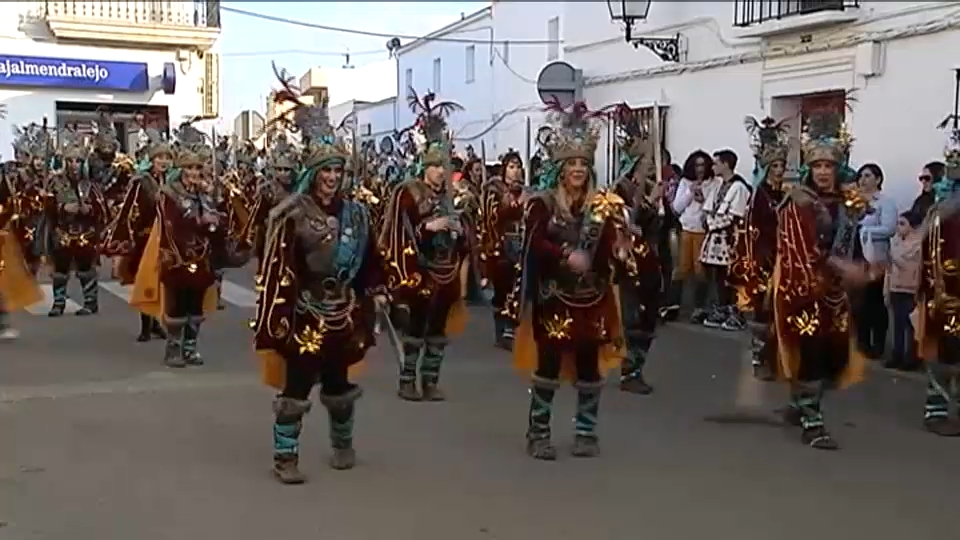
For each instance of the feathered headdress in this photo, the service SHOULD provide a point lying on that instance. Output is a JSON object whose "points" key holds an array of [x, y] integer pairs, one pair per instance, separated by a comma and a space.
{"points": [[245, 152], [825, 136], [430, 131], [769, 140], [33, 140], [311, 120], [633, 137], [576, 131], [191, 146], [73, 143], [282, 153], [105, 133], [153, 139]]}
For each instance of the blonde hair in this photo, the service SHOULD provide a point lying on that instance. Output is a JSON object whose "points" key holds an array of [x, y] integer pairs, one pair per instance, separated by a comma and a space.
{"points": [[563, 199]]}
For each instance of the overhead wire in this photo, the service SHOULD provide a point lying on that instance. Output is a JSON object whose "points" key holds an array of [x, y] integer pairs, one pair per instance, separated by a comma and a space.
{"points": [[302, 51], [354, 31]]}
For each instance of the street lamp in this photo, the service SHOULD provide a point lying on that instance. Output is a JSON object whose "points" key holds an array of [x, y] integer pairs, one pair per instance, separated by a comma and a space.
{"points": [[668, 49]]}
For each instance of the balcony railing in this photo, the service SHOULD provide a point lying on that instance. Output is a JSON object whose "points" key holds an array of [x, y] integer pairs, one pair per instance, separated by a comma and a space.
{"points": [[177, 14], [749, 12]]}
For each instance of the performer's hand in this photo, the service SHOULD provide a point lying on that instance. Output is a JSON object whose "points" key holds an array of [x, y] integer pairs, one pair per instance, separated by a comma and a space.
{"points": [[850, 272], [484, 282], [85, 209], [381, 301], [210, 219], [578, 261], [438, 224], [71, 208], [525, 198]]}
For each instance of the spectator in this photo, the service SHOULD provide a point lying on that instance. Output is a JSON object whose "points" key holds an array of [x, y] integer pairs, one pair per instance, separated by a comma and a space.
{"points": [[877, 227], [931, 174], [902, 282], [688, 205]]}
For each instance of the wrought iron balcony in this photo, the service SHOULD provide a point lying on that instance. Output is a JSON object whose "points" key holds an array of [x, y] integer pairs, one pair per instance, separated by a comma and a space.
{"points": [[171, 23], [750, 12]]}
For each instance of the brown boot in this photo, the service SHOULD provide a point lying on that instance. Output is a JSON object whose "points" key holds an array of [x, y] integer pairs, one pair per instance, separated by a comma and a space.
{"points": [[432, 392], [408, 391], [943, 426], [636, 385], [286, 469]]}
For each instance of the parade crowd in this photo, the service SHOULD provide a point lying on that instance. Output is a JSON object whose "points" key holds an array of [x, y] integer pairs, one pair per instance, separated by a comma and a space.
{"points": [[357, 244]]}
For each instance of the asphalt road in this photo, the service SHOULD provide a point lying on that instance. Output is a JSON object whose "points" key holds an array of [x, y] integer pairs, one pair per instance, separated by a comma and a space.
{"points": [[99, 442]]}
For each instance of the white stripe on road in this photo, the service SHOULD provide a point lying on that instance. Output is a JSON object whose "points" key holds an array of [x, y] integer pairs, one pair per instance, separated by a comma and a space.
{"points": [[237, 295], [115, 288], [42, 307]]}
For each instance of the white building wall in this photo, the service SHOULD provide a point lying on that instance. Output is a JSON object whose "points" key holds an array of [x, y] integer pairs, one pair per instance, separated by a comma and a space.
{"points": [[517, 65], [904, 86], [379, 116], [29, 104], [476, 95]]}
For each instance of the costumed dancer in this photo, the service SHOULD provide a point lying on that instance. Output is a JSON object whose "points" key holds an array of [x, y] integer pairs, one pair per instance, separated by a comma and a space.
{"points": [[282, 167], [755, 249], [125, 239], [501, 240], [175, 281], [109, 168], [569, 315], [320, 281], [28, 176], [426, 250], [76, 213], [938, 299], [18, 289], [640, 279], [818, 257]]}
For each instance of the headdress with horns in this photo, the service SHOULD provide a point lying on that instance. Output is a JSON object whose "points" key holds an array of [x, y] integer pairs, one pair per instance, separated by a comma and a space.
{"points": [[633, 137], [191, 146], [153, 139], [105, 137], [33, 140], [825, 138], [770, 143], [320, 143], [73, 143], [574, 134], [430, 130]]}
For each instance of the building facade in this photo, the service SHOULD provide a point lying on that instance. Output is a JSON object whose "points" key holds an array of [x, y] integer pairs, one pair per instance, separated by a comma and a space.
{"points": [[784, 59], [62, 60], [372, 120], [454, 71]]}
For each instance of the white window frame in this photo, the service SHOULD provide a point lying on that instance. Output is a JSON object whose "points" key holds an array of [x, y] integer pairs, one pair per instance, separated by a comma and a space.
{"points": [[437, 76], [470, 64], [408, 79], [553, 36]]}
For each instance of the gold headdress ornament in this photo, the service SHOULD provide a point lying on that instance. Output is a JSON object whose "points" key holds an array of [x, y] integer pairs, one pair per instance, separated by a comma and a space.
{"points": [[430, 130], [153, 139], [825, 136], [768, 140], [282, 153], [576, 131], [191, 146], [73, 143], [320, 144], [633, 138], [33, 140]]}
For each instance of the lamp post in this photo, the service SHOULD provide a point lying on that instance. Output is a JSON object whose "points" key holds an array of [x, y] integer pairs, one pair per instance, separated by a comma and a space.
{"points": [[629, 12]]}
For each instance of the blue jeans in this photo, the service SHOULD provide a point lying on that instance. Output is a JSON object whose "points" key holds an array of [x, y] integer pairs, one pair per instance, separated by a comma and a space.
{"points": [[902, 305]]}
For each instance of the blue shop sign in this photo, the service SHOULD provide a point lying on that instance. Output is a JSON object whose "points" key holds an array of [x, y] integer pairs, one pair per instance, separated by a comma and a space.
{"points": [[71, 73]]}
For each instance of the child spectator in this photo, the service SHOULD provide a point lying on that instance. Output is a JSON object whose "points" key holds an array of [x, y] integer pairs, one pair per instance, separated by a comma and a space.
{"points": [[902, 282]]}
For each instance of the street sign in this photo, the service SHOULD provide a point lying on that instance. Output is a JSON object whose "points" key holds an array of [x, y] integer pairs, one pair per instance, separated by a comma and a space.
{"points": [[560, 81]]}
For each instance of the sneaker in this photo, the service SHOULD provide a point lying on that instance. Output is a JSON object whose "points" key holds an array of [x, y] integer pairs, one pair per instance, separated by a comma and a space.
{"points": [[9, 334], [716, 318], [734, 323]]}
